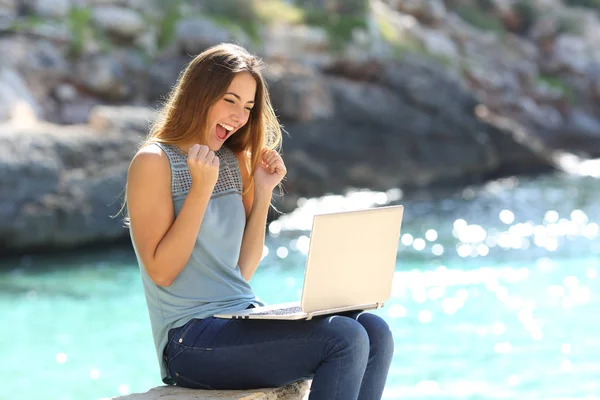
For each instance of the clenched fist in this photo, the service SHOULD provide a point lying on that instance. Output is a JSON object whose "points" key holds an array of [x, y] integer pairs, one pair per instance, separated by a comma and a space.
{"points": [[271, 170], [204, 166]]}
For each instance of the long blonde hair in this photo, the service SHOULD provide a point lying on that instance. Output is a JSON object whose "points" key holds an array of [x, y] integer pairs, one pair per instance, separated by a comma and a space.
{"points": [[182, 118], [201, 84]]}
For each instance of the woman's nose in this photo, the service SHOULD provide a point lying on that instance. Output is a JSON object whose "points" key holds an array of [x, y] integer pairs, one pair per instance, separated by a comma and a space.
{"points": [[237, 115]]}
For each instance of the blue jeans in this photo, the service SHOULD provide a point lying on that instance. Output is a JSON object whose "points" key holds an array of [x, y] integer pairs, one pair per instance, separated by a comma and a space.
{"points": [[347, 356]]}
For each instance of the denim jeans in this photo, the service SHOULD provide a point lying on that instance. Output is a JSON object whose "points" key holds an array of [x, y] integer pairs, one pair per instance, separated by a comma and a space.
{"points": [[347, 356]]}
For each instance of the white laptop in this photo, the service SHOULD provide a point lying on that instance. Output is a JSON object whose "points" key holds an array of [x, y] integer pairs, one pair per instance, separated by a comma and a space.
{"points": [[350, 266]]}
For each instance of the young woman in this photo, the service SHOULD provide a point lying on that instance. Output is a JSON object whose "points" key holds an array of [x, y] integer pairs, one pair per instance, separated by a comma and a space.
{"points": [[198, 192]]}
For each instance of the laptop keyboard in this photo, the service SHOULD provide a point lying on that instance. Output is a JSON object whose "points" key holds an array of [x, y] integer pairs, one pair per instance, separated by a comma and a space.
{"points": [[281, 311]]}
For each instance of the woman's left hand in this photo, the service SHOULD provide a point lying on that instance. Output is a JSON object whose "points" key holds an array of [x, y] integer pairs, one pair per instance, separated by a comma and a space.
{"points": [[270, 171]]}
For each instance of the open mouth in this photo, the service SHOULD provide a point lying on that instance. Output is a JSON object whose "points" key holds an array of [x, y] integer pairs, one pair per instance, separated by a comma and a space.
{"points": [[223, 130]]}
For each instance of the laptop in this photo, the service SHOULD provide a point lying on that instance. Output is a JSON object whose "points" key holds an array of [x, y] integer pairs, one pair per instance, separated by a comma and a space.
{"points": [[350, 266]]}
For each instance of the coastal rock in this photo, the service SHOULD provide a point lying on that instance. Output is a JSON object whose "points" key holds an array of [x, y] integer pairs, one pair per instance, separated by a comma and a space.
{"points": [[413, 93], [427, 11], [439, 44], [120, 21], [105, 76], [301, 44], [570, 53], [196, 34], [14, 90], [60, 185], [294, 391], [52, 8], [300, 95]]}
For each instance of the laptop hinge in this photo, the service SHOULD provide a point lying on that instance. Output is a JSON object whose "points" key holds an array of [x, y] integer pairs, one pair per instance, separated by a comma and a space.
{"points": [[379, 304], [309, 316]]}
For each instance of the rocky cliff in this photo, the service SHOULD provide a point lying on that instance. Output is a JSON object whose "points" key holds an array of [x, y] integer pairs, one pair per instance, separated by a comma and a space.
{"points": [[374, 94]]}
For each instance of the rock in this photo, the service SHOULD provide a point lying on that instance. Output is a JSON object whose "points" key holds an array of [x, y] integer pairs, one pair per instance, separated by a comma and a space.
{"points": [[163, 74], [60, 185], [298, 93], [9, 5], [386, 131], [77, 112], [106, 119], [585, 123], [148, 41], [571, 53], [544, 117], [14, 90], [57, 32], [581, 134], [52, 8], [193, 35], [293, 391], [545, 29], [105, 76], [427, 11], [301, 44], [438, 43], [120, 21], [65, 92]]}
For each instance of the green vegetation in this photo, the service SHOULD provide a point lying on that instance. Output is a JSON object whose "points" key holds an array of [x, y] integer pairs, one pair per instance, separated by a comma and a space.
{"points": [[480, 19], [399, 44], [79, 25], [339, 28], [251, 15], [339, 19], [26, 23], [403, 45], [482, 16], [558, 84], [166, 25]]}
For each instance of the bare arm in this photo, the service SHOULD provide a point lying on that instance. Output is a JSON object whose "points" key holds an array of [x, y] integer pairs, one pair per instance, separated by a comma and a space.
{"points": [[164, 244], [253, 240]]}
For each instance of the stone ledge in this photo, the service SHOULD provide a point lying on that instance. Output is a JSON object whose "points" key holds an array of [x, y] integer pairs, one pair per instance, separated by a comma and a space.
{"points": [[293, 391]]}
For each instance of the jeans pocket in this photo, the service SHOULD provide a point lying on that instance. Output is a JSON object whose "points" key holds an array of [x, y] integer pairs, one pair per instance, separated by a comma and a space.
{"points": [[183, 381], [176, 339]]}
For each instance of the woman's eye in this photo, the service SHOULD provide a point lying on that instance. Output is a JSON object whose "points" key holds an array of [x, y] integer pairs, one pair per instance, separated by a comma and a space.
{"points": [[229, 101], [249, 108]]}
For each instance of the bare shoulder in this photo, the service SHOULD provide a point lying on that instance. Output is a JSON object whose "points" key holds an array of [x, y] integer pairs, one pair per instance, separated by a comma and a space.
{"points": [[149, 161]]}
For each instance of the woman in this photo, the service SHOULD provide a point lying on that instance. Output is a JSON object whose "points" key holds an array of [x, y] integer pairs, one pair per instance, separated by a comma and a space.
{"points": [[198, 193]]}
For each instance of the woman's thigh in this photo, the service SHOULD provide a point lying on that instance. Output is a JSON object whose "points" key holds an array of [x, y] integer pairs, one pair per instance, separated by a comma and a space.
{"points": [[230, 354]]}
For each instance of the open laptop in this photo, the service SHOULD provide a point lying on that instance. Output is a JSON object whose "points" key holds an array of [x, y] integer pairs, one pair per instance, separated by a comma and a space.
{"points": [[350, 266]]}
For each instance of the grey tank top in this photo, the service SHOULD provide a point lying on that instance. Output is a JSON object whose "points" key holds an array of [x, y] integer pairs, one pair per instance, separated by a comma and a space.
{"points": [[211, 281]]}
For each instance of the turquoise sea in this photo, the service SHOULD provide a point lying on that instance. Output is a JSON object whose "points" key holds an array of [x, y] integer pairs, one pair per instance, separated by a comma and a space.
{"points": [[495, 296]]}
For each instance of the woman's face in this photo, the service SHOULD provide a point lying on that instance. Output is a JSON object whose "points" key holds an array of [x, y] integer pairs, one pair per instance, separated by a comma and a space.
{"points": [[231, 112]]}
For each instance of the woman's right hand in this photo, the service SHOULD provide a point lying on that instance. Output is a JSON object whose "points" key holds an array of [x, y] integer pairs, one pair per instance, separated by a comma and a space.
{"points": [[204, 167]]}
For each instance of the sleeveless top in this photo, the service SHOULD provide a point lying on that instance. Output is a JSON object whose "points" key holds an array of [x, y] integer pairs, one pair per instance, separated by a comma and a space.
{"points": [[211, 281]]}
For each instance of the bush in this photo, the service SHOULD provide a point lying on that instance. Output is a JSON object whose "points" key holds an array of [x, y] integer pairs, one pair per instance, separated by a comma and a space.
{"points": [[338, 17], [166, 26], [79, 23]]}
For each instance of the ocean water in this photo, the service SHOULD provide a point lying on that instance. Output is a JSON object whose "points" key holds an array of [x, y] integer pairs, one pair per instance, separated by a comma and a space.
{"points": [[495, 296]]}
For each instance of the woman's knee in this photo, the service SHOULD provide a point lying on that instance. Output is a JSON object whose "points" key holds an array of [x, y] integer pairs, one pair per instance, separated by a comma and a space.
{"points": [[348, 334], [378, 330]]}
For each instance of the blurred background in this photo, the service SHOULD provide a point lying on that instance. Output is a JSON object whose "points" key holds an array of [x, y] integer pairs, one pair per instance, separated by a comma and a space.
{"points": [[481, 117]]}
